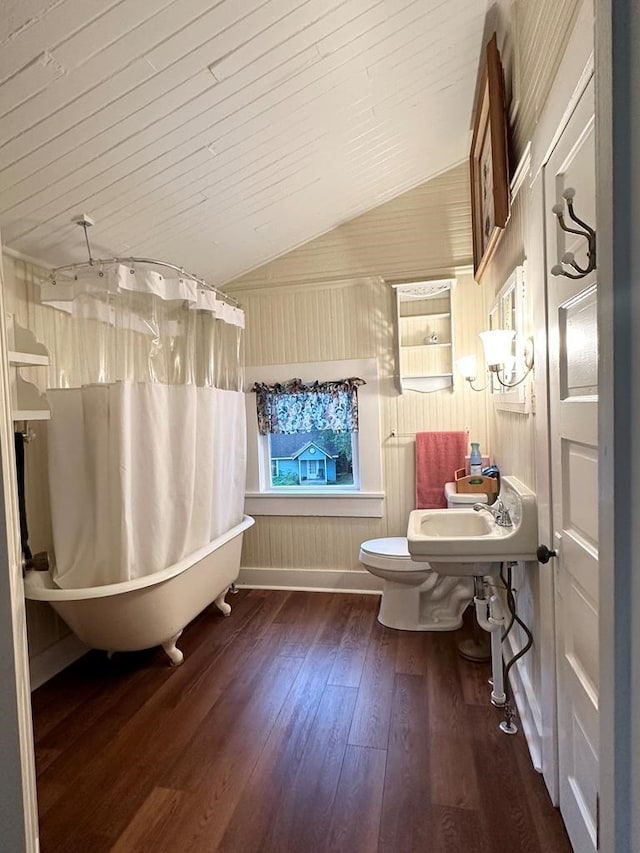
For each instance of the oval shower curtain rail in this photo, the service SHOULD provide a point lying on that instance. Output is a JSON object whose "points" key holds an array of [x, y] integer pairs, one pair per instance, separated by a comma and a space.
{"points": [[98, 262]]}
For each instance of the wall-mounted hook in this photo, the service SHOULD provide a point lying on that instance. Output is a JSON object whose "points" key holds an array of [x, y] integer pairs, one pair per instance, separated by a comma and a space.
{"points": [[27, 433], [584, 231]]}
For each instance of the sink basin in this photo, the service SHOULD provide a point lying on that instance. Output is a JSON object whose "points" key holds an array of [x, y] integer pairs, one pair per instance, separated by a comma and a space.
{"points": [[465, 542], [455, 523]]}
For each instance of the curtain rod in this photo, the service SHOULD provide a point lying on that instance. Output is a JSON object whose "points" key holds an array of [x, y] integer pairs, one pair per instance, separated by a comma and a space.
{"points": [[97, 262]]}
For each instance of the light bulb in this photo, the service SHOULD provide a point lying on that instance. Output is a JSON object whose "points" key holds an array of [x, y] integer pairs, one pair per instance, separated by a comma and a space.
{"points": [[467, 366], [497, 346]]}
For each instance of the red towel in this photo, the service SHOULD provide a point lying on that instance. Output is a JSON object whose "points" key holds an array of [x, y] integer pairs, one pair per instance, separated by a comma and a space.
{"points": [[438, 454]]}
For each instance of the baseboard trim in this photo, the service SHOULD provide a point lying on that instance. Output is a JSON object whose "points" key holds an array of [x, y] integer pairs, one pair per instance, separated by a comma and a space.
{"points": [[527, 705], [318, 580], [53, 660]]}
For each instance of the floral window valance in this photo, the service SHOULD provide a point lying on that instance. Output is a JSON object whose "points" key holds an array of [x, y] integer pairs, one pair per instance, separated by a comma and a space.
{"points": [[295, 406]]}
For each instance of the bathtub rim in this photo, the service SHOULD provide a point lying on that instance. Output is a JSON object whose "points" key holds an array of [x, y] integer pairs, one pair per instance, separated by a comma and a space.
{"points": [[39, 586]]}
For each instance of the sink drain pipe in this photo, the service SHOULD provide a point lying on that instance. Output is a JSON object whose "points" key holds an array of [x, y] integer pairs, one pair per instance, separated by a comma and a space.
{"points": [[490, 616]]}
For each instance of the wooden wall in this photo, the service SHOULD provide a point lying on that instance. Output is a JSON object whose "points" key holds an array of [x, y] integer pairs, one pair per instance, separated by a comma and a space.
{"points": [[331, 300]]}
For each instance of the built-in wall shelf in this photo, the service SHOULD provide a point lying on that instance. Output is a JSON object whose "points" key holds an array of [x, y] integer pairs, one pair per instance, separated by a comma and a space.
{"points": [[424, 335], [426, 384], [31, 415], [426, 346], [24, 344], [433, 315], [27, 359], [27, 403]]}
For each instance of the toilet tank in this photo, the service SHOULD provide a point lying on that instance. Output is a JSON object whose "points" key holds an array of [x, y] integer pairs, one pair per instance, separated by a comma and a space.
{"points": [[460, 500]]}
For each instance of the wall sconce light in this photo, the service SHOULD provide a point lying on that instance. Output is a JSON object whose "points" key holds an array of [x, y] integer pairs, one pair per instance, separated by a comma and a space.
{"points": [[467, 367], [499, 355]]}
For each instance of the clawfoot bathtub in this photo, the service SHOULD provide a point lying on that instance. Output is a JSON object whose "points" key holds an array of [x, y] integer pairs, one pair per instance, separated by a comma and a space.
{"points": [[151, 610]]}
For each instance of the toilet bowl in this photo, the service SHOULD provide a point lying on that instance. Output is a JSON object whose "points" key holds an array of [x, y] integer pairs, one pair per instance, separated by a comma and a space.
{"points": [[414, 597]]}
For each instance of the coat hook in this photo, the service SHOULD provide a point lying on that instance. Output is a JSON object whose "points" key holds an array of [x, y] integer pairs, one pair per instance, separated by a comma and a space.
{"points": [[584, 231], [27, 433]]}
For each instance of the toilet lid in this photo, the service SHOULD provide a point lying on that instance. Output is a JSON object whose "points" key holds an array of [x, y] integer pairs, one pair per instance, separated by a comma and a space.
{"points": [[456, 498], [392, 546]]}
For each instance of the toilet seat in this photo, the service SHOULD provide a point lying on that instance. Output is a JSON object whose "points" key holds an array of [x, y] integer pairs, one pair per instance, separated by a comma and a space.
{"points": [[414, 597], [391, 554]]}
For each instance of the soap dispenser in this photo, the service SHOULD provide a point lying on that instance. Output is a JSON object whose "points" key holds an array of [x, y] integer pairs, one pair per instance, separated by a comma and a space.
{"points": [[475, 459]]}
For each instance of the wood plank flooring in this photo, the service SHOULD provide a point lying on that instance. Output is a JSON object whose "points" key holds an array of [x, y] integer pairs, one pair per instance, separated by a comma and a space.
{"points": [[297, 725]]}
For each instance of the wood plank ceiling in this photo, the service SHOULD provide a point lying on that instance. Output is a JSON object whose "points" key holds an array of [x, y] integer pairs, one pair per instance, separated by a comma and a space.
{"points": [[219, 135]]}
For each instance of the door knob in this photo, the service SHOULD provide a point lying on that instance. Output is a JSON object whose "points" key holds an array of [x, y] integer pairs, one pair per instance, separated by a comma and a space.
{"points": [[544, 554]]}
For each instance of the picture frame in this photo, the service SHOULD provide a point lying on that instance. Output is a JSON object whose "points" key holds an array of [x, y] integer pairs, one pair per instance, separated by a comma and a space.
{"points": [[489, 167]]}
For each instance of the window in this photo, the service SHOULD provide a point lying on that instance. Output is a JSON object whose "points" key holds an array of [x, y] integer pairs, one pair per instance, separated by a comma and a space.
{"points": [[318, 457], [315, 471], [507, 312], [311, 431]]}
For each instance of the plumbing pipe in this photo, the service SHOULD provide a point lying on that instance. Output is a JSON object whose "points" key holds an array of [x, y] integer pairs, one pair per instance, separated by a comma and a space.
{"points": [[498, 696], [482, 613], [491, 618], [497, 620]]}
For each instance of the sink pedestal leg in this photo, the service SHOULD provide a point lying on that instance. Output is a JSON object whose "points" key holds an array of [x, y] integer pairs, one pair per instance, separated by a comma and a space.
{"points": [[498, 696], [490, 617]]}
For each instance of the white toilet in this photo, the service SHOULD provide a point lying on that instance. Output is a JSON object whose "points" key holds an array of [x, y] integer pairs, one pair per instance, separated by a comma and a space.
{"points": [[414, 597]]}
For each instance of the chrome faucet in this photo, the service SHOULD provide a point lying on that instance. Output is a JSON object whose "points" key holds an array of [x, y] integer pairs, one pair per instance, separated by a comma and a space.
{"points": [[501, 515]]}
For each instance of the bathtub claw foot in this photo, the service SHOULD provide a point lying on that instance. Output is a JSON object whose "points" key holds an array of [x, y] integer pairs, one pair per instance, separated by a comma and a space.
{"points": [[222, 605], [173, 652]]}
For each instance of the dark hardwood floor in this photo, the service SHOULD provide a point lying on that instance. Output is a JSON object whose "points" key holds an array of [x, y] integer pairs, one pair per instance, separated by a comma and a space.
{"points": [[299, 724]]}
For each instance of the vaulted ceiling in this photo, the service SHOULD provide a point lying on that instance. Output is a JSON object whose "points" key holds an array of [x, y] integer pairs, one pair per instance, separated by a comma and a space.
{"points": [[219, 135]]}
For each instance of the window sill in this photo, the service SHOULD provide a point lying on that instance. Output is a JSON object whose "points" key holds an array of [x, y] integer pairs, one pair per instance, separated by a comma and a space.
{"points": [[312, 502]]}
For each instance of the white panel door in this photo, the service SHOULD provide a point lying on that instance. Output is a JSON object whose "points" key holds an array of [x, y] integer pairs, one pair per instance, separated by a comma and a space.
{"points": [[573, 404]]}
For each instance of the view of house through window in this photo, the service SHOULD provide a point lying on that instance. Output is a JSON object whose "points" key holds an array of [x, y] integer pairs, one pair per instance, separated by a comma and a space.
{"points": [[314, 458], [314, 445], [309, 428]]}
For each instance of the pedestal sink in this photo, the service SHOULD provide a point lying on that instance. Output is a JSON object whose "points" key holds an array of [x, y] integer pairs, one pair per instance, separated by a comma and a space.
{"points": [[464, 542]]}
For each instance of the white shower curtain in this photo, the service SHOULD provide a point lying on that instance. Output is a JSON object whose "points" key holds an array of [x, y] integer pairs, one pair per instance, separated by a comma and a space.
{"points": [[142, 474], [147, 444]]}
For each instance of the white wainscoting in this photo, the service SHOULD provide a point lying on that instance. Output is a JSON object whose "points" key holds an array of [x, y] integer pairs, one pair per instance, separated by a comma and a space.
{"points": [[314, 580], [53, 660], [526, 703]]}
